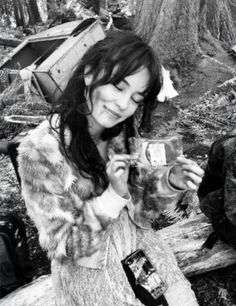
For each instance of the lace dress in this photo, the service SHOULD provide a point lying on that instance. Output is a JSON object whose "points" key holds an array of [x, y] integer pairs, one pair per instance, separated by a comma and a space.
{"points": [[76, 285]]}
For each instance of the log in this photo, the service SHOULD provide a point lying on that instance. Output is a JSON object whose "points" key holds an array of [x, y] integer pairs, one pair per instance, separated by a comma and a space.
{"points": [[37, 293], [185, 238], [10, 42]]}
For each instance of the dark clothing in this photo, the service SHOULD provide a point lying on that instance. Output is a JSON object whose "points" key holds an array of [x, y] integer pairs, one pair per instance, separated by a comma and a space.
{"points": [[217, 192]]}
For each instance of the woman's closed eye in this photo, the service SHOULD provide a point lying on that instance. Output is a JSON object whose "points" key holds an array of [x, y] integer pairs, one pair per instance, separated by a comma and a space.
{"points": [[119, 87], [136, 98]]}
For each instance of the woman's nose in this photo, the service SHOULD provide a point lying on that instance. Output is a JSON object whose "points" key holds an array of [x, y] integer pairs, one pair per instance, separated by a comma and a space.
{"points": [[123, 102]]}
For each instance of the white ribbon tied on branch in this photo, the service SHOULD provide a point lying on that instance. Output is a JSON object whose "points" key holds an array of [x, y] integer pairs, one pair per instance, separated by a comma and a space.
{"points": [[167, 90]]}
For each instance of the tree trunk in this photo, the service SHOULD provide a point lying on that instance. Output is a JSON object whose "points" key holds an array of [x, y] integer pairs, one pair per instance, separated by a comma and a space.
{"points": [[174, 28], [43, 10], [219, 21], [30, 14], [17, 13], [33, 11], [185, 238], [145, 21], [52, 9], [22, 12]]}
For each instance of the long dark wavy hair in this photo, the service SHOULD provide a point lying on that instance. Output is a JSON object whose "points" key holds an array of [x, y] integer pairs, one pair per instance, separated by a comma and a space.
{"points": [[119, 55]]}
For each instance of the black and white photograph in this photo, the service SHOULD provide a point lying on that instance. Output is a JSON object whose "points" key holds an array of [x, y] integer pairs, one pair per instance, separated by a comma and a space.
{"points": [[117, 152]]}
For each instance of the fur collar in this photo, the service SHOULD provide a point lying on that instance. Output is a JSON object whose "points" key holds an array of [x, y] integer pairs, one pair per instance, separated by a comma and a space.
{"points": [[115, 145]]}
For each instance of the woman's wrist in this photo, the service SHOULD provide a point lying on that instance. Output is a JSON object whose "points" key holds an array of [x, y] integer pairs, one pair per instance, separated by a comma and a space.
{"points": [[172, 181], [126, 196], [123, 194], [123, 197]]}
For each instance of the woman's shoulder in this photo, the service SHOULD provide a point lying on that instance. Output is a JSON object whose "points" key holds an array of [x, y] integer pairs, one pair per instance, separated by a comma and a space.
{"points": [[41, 143]]}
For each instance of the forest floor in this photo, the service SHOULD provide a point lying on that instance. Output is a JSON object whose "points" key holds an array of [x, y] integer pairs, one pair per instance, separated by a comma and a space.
{"points": [[204, 110]]}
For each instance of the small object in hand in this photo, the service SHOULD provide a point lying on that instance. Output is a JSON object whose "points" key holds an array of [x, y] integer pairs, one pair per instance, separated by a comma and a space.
{"points": [[156, 152]]}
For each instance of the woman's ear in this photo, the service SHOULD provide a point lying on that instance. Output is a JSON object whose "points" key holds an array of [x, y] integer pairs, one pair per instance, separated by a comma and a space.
{"points": [[88, 77]]}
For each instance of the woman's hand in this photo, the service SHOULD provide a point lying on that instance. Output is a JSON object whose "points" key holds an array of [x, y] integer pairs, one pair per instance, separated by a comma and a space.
{"points": [[118, 171], [185, 174]]}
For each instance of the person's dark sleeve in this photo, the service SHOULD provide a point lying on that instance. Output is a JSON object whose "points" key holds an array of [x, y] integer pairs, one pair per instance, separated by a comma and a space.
{"points": [[213, 179], [225, 226], [219, 205], [230, 191]]}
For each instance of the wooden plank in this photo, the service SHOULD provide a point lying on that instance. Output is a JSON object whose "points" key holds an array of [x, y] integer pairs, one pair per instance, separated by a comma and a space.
{"points": [[59, 31], [49, 88], [63, 69]]}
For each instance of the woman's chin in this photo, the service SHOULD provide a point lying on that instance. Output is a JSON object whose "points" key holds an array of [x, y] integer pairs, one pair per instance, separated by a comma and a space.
{"points": [[108, 124]]}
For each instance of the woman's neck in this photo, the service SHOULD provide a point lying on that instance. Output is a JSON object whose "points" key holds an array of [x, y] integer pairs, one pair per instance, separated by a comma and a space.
{"points": [[100, 144], [96, 139], [95, 130]]}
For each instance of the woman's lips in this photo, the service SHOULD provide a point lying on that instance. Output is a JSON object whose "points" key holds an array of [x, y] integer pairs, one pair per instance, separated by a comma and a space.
{"points": [[114, 113]]}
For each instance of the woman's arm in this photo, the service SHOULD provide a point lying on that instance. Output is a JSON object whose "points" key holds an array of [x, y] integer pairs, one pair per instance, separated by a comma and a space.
{"points": [[163, 186], [70, 223], [157, 193]]}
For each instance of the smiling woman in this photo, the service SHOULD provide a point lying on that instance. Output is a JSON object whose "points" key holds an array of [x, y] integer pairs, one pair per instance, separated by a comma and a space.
{"points": [[111, 104], [77, 184]]}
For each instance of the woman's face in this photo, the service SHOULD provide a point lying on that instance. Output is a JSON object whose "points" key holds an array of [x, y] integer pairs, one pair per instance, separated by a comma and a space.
{"points": [[113, 104]]}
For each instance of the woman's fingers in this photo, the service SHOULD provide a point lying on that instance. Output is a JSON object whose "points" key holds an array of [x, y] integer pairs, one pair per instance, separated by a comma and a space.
{"points": [[190, 165], [119, 164], [191, 185], [120, 161], [194, 169], [117, 170], [185, 161], [116, 165], [196, 179], [186, 174], [123, 157]]}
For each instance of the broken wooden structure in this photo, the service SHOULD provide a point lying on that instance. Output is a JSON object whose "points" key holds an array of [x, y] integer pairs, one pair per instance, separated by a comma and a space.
{"points": [[51, 56], [185, 238]]}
